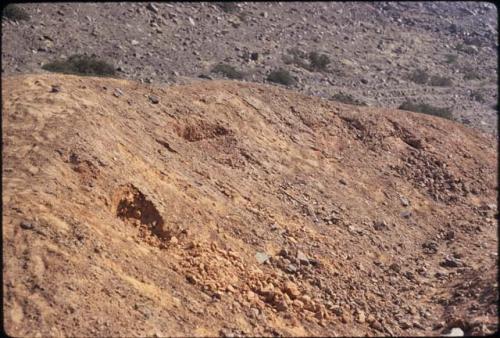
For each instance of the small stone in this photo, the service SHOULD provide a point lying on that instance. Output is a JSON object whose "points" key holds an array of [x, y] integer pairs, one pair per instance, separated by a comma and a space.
{"points": [[404, 201], [377, 326], [191, 279], [152, 8], [191, 21], [284, 253], [174, 240], [134, 42], [291, 268], [261, 257], [55, 89], [395, 267], [404, 325], [314, 262], [291, 289], [154, 99], [282, 306], [455, 332], [440, 275], [342, 181], [450, 262], [118, 92], [430, 247], [370, 318], [26, 225], [204, 76], [361, 317], [406, 214], [380, 225], [217, 295], [302, 258]]}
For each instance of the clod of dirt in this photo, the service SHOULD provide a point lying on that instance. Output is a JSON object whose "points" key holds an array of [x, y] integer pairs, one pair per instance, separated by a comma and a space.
{"points": [[202, 130]]}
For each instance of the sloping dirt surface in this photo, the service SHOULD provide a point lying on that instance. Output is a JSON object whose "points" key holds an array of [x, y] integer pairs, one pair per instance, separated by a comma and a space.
{"points": [[229, 208]]}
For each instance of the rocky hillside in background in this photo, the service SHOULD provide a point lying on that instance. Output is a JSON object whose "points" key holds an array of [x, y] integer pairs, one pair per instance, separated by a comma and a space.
{"points": [[381, 53], [224, 208]]}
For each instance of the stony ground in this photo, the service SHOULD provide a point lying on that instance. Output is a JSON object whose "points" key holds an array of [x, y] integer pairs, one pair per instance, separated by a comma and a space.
{"points": [[225, 208], [374, 47]]}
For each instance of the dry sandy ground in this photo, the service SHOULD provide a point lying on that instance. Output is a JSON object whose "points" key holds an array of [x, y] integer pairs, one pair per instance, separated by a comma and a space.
{"points": [[228, 208]]}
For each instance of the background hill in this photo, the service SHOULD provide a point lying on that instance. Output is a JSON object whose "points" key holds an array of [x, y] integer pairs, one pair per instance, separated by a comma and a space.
{"points": [[380, 53]]}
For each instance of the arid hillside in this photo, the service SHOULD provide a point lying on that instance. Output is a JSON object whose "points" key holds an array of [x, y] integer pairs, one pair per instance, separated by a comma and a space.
{"points": [[225, 208], [441, 53]]}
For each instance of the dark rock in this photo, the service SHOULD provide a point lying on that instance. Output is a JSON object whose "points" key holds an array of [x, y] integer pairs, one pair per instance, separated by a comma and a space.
{"points": [[152, 8], [430, 247], [395, 267], [449, 235], [191, 279], [314, 262], [380, 225], [154, 99], [26, 225], [204, 76], [284, 253], [450, 262]]}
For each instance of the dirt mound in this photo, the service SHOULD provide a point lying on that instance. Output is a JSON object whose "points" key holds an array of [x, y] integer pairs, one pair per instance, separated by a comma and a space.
{"points": [[228, 208]]}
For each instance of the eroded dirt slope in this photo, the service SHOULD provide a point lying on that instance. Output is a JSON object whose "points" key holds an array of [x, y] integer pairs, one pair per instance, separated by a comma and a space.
{"points": [[229, 208]]}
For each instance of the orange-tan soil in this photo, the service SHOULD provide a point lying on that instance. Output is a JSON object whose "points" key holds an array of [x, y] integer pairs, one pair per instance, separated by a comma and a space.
{"points": [[229, 208]]}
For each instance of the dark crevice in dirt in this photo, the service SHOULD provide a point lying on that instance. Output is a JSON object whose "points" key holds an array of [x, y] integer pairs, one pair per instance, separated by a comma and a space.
{"points": [[132, 206]]}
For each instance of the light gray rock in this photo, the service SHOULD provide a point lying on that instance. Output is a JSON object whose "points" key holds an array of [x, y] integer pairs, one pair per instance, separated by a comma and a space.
{"points": [[455, 332], [261, 257], [302, 258]]}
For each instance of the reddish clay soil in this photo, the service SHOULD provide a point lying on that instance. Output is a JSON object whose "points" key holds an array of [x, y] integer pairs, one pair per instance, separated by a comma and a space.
{"points": [[229, 208]]}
